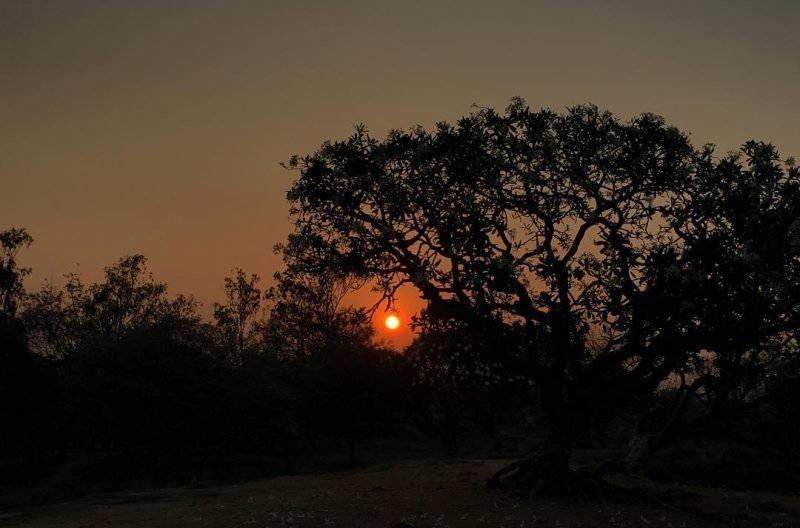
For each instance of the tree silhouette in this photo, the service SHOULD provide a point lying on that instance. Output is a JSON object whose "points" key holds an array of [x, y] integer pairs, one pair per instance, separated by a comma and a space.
{"points": [[128, 298], [458, 376], [236, 318], [11, 275], [569, 225], [26, 388], [307, 314]]}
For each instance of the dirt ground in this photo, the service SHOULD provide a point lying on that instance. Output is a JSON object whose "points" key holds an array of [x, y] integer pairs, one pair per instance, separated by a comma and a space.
{"points": [[409, 494]]}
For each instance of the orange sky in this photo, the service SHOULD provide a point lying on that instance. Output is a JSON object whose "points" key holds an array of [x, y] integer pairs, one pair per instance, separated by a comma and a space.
{"points": [[158, 126]]}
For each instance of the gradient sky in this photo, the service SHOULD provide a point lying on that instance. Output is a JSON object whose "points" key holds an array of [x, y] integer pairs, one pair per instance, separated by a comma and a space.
{"points": [[157, 127]]}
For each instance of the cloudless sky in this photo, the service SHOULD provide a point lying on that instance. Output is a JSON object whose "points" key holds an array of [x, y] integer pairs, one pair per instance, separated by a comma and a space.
{"points": [[157, 126]]}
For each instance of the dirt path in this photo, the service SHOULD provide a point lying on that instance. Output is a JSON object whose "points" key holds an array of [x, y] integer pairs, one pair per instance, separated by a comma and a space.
{"points": [[419, 494]]}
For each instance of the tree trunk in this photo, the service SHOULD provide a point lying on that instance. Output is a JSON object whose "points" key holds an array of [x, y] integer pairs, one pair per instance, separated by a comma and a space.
{"points": [[646, 444], [545, 472]]}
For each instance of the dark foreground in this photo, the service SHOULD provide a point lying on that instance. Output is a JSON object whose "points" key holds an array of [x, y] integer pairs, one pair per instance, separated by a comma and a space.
{"points": [[419, 494]]}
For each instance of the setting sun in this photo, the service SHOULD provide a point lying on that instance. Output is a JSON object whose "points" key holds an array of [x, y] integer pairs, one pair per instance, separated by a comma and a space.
{"points": [[392, 322]]}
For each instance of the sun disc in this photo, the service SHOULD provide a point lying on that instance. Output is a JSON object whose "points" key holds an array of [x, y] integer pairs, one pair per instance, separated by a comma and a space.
{"points": [[392, 322]]}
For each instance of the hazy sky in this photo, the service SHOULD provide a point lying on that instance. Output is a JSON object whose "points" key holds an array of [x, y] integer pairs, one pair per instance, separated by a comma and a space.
{"points": [[157, 127]]}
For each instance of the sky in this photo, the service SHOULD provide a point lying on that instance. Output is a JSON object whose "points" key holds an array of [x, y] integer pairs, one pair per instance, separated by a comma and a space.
{"points": [[158, 126]]}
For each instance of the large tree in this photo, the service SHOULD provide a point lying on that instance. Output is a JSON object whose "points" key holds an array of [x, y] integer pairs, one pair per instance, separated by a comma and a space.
{"points": [[572, 226]]}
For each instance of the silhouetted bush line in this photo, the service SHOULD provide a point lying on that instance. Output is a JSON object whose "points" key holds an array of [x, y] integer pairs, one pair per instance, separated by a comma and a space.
{"points": [[117, 384]]}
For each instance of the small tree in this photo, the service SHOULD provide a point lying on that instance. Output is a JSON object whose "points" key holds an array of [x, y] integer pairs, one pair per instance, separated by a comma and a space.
{"points": [[11, 275], [306, 313], [237, 318], [344, 373], [459, 375], [568, 225]]}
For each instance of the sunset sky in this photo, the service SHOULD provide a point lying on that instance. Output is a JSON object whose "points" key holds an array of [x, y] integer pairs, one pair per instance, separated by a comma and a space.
{"points": [[158, 127]]}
